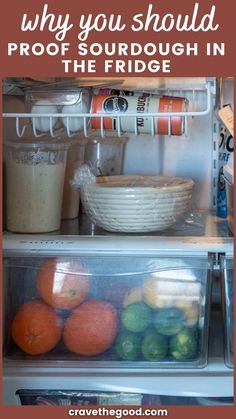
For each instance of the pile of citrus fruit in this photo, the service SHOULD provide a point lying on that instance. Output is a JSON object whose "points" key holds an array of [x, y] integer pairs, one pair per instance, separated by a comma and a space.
{"points": [[39, 325], [153, 335], [149, 327], [156, 327]]}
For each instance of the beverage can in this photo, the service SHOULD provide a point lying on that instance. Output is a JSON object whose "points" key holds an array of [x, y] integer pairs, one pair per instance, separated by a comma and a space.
{"points": [[171, 104], [140, 105]]}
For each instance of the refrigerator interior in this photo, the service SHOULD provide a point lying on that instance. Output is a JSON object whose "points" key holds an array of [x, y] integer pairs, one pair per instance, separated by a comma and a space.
{"points": [[119, 260]]}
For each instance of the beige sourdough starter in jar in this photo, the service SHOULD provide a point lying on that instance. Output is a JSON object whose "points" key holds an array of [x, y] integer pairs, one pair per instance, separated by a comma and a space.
{"points": [[35, 179]]}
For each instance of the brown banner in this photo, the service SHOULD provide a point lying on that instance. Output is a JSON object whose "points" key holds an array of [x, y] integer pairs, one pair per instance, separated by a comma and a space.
{"points": [[174, 38]]}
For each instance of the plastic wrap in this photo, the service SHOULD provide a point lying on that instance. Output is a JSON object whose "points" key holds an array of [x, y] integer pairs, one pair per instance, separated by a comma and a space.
{"points": [[100, 398], [108, 310], [134, 203], [78, 398], [71, 196], [83, 176]]}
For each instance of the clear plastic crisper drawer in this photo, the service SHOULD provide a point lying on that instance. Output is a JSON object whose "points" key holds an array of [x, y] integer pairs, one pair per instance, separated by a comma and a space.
{"points": [[228, 309], [135, 312]]}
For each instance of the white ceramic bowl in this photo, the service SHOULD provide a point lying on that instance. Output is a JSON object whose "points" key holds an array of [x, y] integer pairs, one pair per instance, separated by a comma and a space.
{"points": [[137, 203]]}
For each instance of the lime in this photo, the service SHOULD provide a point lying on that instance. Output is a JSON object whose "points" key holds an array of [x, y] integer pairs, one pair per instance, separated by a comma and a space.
{"points": [[136, 317], [154, 347], [169, 321], [184, 344], [128, 345]]}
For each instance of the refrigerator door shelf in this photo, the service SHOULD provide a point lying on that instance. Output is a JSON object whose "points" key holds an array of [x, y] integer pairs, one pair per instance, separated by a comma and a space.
{"points": [[227, 284]]}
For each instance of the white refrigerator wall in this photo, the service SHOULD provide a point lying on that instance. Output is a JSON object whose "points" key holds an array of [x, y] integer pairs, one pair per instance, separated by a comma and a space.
{"points": [[190, 156]]}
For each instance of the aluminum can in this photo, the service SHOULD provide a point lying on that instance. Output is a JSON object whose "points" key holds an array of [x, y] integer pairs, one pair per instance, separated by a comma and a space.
{"points": [[113, 105]]}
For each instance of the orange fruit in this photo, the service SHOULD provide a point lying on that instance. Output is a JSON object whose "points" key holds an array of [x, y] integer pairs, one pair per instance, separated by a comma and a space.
{"points": [[36, 328], [91, 328], [62, 283]]}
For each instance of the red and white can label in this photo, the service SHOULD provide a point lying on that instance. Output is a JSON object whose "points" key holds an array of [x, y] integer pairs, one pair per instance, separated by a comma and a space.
{"points": [[170, 104], [140, 105]]}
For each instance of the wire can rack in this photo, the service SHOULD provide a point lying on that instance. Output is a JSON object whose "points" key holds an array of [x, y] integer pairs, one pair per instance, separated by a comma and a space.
{"points": [[193, 111]]}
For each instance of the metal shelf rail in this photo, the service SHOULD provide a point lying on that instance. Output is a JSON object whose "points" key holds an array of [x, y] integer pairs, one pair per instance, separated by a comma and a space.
{"points": [[192, 112]]}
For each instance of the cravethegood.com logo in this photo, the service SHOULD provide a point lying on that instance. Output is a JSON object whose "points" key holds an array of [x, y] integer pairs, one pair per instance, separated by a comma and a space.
{"points": [[118, 413]]}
